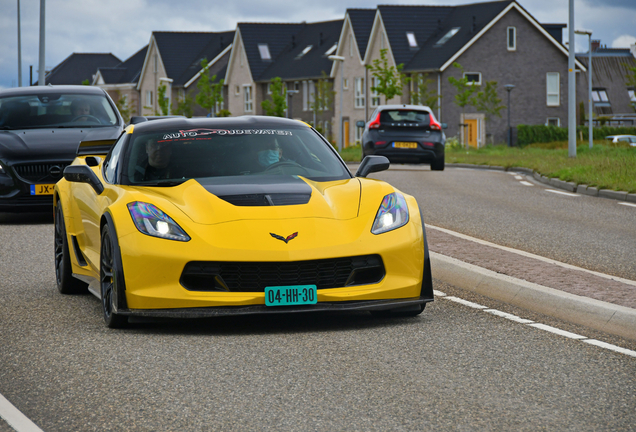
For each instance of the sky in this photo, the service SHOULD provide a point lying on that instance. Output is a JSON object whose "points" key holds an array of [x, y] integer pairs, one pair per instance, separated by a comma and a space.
{"points": [[122, 27]]}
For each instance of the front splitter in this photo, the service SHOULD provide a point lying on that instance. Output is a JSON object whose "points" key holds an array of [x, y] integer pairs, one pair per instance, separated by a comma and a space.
{"points": [[366, 305]]}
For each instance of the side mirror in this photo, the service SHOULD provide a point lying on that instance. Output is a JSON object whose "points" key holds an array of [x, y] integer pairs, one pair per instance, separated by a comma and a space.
{"points": [[83, 174], [360, 124], [444, 125], [138, 119], [372, 164]]}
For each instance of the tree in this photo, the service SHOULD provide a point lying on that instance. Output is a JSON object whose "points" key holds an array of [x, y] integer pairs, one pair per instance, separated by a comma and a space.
{"points": [[390, 79], [185, 106], [464, 94], [423, 95], [487, 101], [210, 92], [277, 106], [323, 96], [162, 100], [123, 106]]}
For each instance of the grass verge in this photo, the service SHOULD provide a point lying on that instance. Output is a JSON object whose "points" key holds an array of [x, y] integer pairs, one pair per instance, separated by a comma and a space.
{"points": [[605, 166]]}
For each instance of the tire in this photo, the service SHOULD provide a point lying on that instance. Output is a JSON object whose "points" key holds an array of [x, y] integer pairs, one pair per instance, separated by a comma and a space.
{"points": [[396, 313], [66, 283], [438, 165], [111, 280]]}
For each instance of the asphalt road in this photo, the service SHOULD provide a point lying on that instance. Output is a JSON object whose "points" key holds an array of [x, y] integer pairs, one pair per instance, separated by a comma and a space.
{"points": [[590, 232], [452, 368]]}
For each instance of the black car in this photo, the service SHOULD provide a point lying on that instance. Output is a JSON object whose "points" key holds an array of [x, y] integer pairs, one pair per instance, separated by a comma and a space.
{"points": [[40, 130], [405, 133]]}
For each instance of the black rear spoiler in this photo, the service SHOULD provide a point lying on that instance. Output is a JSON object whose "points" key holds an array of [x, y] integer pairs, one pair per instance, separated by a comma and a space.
{"points": [[97, 147]]}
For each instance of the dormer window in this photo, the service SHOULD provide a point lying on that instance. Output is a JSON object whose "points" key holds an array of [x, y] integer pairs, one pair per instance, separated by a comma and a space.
{"points": [[332, 49], [305, 51], [447, 36], [263, 49], [473, 78], [410, 36]]}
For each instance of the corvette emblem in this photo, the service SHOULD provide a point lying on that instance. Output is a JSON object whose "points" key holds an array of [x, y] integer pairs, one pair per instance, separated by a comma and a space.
{"points": [[286, 240]]}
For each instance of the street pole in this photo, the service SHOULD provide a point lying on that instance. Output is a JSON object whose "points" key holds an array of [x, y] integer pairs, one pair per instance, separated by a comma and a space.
{"points": [[589, 85], [341, 60], [19, 49], [571, 86], [41, 66], [509, 88]]}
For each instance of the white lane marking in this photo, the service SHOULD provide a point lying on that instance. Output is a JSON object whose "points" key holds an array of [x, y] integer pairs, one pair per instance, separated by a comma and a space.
{"points": [[555, 330], [511, 317], [610, 347], [466, 302], [439, 293], [627, 204], [518, 177], [531, 255], [511, 173], [543, 327], [15, 418], [525, 183], [562, 193]]}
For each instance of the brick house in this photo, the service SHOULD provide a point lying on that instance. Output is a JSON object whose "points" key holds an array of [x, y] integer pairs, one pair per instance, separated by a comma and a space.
{"points": [[495, 41]]}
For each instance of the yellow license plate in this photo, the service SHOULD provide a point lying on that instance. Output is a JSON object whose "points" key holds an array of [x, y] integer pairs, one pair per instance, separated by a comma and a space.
{"points": [[42, 189], [399, 144]]}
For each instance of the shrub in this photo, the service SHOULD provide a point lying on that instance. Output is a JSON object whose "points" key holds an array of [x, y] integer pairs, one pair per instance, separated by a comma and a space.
{"points": [[530, 134]]}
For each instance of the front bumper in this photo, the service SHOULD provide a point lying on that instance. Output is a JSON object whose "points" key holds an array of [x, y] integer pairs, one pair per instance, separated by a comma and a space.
{"points": [[345, 306]]}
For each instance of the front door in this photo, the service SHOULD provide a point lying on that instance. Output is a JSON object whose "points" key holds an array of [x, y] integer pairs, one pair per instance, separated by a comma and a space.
{"points": [[471, 131], [345, 125]]}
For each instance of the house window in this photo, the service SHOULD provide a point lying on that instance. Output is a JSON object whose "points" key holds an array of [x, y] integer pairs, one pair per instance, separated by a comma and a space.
{"points": [[269, 88], [473, 78], [359, 131], [553, 121], [375, 96], [332, 49], [512, 38], [410, 36], [248, 105], [345, 83], [155, 64], [359, 93], [599, 96], [312, 95], [263, 49], [350, 45], [149, 98], [447, 36], [305, 51], [632, 95], [325, 129], [552, 89], [382, 43], [305, 96], [237, 90], [296, 86]]}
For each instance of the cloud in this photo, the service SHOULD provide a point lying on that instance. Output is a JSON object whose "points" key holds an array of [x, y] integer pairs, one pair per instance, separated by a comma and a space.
{"points": [[623, 41]]}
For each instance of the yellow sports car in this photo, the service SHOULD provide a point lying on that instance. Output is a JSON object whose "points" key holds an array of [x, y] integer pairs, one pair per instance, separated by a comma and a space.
{"points": [[250, 215]]}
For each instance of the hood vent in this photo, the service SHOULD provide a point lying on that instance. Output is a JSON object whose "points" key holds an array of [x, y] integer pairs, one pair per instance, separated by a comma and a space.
{"points": [[257, 200], [257, 191]]}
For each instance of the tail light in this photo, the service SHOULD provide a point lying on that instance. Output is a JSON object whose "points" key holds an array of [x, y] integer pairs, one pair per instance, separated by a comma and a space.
{"points": [[428, 144], [379, 143], [435, 124], [375, 124]]}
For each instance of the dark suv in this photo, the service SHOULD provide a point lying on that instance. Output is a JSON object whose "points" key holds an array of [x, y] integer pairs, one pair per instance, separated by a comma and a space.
{"points": [[405, 133], [40, 130]]}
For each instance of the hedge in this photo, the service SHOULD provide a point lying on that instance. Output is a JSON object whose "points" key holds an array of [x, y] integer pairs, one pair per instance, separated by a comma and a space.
{"points": [[529, 134]]}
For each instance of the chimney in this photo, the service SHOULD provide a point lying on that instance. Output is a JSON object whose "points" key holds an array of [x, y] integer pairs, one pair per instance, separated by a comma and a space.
{"points": [[596, 44]]}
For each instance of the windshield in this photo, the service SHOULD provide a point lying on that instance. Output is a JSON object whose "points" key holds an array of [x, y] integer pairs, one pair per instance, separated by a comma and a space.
{"points": [[172, 157], [48, 110], [404, 115]]}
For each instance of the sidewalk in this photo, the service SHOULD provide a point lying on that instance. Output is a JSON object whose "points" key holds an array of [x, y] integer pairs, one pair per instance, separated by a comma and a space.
{"points": [[577, 295]]}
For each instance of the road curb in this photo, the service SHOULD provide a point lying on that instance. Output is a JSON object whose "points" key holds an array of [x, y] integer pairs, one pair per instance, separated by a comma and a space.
{"points": [[596, 314]]}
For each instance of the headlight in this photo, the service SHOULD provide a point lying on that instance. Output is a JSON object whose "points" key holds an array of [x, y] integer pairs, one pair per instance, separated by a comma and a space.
{"points": [[1, 169], [393, 213], [151, 221]]}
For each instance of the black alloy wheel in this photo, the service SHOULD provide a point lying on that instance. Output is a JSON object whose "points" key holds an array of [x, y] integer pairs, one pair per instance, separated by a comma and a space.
{"points": [[109, 272], [66, 283]]}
